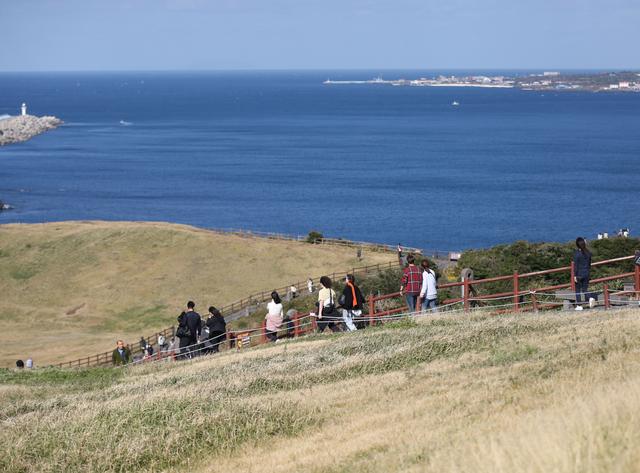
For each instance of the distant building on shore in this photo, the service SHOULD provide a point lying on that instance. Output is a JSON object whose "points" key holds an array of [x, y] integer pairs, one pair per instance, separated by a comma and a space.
{"points": [[23, 109]]}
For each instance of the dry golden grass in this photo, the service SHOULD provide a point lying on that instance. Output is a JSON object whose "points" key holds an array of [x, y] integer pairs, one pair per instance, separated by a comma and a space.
{"points": [[453, 393], [70, 289]]}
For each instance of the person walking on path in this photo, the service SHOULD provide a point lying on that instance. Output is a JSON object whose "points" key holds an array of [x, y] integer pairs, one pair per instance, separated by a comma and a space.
{"points": [[194, 323], [351, 302], [184, 335], [582, 267], [429, 291], [310, 287], [143, 344], [217, 329], [289, 322], [411, 283], [327, 312], [274, 317], [121, 355]]}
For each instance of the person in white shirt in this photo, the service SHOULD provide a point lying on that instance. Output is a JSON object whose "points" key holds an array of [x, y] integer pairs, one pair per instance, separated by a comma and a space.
{"points": [[274, 317], [429, 291]]}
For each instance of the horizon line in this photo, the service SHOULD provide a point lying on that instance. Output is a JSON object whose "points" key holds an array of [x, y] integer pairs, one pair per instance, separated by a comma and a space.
{"points": [[368, 69]]}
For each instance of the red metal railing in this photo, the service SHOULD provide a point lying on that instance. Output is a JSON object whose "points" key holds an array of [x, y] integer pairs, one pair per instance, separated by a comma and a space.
{"points": [[517, 294], [377, 309]]}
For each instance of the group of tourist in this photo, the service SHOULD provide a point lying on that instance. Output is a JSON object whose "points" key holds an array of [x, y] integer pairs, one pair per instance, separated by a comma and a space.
{"points": [[332, 312], [418, 286]]}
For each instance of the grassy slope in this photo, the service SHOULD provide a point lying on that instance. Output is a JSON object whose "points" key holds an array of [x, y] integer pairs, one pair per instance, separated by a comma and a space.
{"points": [[531, 393], [70, 289]]}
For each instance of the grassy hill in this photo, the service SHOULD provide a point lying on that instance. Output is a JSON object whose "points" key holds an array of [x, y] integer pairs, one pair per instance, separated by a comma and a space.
{"points": [[465, 393], [71, 289]]}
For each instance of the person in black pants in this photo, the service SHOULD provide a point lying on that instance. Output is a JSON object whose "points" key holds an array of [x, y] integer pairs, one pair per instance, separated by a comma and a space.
{"points": [[194, 322], [327, 311], [184, 335], [217, 329], [582, 267]]}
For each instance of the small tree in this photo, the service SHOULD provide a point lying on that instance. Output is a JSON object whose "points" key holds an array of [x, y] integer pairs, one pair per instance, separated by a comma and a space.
{"points": [[314, 237]]}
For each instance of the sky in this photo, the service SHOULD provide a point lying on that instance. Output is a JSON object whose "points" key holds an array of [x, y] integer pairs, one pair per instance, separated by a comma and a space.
{"points": [[58, 35]]}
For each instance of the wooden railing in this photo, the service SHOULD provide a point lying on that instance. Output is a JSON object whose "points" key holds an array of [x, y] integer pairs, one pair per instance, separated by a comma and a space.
{"points": [[253, 300], [376, 309], [516, 294]]}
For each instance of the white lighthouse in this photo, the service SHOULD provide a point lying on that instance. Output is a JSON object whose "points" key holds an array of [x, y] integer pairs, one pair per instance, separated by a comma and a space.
{"points": [[23, 109]]}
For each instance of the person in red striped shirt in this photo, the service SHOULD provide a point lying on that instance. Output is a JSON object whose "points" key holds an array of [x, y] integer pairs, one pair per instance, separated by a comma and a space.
{"points": [[411, 283]]}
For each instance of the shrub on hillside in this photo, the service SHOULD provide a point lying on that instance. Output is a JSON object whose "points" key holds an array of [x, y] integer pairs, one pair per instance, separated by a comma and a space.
{"points": [[314, 237], [525, 257]]}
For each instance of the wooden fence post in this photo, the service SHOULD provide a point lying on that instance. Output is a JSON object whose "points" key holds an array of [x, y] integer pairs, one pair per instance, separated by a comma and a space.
{"points": [[573, 277], [466, 294], [372, 309], [516, 292], [637, 279], [296, 325], [605, 290], [264, 331]]}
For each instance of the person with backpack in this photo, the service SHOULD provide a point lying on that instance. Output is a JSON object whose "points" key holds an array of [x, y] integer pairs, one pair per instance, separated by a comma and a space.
{"points": [[274, 317], [411, 283], [327, 312], [582, 271], [194, 322], [217, 329], [184, 335], [429, 291], [351, 301]]}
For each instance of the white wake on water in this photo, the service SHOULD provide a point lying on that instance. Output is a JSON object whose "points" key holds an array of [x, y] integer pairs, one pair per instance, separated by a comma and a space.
{"points": [[123, 123]]}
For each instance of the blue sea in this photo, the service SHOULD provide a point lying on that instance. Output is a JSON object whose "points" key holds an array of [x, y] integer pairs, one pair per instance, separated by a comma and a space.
{"points": [[281, 152]]}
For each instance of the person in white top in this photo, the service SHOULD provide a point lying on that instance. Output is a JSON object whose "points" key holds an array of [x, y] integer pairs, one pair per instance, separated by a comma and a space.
{"points": [[310, 285], [327, 312], [274, 317], [429, 291]]}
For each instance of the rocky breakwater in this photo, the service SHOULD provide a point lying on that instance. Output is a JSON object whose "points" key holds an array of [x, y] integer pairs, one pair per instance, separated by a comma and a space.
{"points": [[24, 127]]}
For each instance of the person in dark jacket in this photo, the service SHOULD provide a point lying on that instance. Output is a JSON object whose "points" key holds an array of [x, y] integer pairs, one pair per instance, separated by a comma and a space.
{"points": [[143, 344], [193, 323], [184, 336], [217, 329], [121, 355], [582, 268], [351, 302]]}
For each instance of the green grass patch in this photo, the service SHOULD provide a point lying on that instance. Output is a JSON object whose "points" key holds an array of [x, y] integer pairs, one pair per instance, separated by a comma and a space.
{"points": [[73, 379], [138, 318], [23, 273], [508, 356], [150, 436]]}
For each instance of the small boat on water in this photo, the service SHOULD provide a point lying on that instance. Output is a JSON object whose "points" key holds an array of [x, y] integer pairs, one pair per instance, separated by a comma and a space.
{"points": [[455, 103]]}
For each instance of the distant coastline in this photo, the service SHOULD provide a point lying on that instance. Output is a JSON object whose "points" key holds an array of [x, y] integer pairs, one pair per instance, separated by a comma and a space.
{"points": [[595, 82]]}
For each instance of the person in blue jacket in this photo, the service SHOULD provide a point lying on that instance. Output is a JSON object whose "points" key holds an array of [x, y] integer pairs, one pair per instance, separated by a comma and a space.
{"points": [[582, 266]]}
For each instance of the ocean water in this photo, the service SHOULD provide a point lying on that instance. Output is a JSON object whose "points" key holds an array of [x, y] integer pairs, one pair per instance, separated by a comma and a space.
{"points": [[281, 152]]}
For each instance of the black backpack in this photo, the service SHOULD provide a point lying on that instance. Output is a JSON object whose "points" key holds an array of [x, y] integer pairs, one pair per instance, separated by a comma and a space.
{"points": [[183, 329]]}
